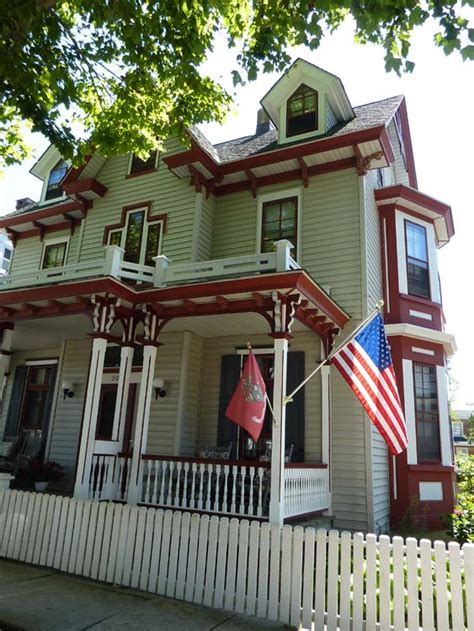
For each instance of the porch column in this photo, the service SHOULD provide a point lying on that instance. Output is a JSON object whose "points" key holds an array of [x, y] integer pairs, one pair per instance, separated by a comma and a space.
{"points": [[277, 484], [5, 355], [103, 317], [326, 429], [89, 420], [141, 425]]}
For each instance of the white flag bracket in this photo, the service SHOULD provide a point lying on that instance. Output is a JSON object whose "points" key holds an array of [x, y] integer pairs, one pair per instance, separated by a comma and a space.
{"points": [[361, 325]]}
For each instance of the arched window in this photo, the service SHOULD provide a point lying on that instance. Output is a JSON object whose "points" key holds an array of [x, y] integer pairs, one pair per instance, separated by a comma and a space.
{"points": [[302, 111], [56, 176]]}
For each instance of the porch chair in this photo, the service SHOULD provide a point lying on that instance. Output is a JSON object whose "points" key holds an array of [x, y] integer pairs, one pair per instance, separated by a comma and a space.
{"points": [[23, 451]]}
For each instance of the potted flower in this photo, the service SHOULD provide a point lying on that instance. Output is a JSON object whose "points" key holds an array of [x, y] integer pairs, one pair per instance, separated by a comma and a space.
{"points": [[43, 472]]}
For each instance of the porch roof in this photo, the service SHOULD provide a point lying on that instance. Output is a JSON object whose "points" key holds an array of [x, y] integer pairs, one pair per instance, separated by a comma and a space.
{"points": [[314, 309]]}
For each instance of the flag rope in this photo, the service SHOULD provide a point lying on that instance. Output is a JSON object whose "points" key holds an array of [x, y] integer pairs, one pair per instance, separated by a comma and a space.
{"points": [[366, 320]]}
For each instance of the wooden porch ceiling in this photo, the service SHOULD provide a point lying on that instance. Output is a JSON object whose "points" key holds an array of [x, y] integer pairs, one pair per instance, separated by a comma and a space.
{"points": [[312, 307]]}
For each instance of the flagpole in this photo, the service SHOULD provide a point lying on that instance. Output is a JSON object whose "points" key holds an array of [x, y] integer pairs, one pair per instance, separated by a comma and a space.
{"points": [[366, 320]]}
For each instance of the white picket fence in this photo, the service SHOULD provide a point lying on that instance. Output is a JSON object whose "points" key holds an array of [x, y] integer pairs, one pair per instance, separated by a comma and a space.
{"points": [[297, 576]]}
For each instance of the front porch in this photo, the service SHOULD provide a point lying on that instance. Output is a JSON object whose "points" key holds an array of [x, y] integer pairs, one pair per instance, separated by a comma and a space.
{"points": [[151, 370]]}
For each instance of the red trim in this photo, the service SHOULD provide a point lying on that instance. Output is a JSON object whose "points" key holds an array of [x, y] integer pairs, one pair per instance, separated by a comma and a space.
{"points": [[36, 215], [298, 280], [123, 218], [67, 290], [75, 172], [286, 176], [195, 154], [57, 227], [83, 186], [410, 159], [138, 173], [398, 193]]}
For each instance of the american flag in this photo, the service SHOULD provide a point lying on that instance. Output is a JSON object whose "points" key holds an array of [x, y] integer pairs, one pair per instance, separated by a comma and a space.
{"points": [[366, 364]]}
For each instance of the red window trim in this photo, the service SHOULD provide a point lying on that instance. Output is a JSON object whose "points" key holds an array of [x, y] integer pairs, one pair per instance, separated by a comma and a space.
{"points": [[149, 218]]}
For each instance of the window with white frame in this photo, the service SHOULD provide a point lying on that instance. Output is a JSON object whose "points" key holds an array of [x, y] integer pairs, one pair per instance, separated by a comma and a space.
{"points": [[54, 253], [418, 273], [139, 238], [56, 176]]}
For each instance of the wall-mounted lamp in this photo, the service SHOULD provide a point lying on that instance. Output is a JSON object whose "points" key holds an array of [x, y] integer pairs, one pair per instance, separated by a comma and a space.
{"points": [[159, 385], [68, 389]]}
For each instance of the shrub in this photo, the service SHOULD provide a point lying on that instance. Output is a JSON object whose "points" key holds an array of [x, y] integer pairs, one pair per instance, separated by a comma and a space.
{"points": [[460, 524], [45, 471]]}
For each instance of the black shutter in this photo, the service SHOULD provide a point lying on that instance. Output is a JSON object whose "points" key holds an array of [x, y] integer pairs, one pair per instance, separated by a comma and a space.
{"points": [[47, 406], [295, 419], [230, 375], [16, 398]]}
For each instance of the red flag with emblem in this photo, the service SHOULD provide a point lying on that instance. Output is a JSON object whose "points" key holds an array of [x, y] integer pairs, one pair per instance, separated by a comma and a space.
{"points": [[248, 403]]}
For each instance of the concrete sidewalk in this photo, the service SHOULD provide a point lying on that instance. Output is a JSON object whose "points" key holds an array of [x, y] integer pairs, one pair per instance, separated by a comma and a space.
{"points": [[39, 599]]}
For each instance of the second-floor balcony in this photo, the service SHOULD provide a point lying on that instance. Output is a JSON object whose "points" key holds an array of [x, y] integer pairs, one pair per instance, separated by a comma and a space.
{"points": [[164, 273]]}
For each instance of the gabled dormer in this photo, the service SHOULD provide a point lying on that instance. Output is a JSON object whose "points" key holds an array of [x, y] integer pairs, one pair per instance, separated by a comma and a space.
{"points": [[306, 102], [51, 168]]}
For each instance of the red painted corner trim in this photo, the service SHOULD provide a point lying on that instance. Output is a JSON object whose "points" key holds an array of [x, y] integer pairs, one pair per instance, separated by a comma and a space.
{"points": [[430, 468], [82, 186], [408, 144]]}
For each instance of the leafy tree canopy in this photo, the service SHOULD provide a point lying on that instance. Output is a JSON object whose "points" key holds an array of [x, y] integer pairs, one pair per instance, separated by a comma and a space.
{"points": [[116, 75]]}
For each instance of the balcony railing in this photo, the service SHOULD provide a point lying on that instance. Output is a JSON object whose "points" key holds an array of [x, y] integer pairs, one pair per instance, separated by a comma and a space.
{"points": [[162, 274]]}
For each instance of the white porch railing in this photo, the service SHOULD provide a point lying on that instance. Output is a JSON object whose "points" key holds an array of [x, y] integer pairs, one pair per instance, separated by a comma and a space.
{"points": [[220, 487], [109, 477], [306, 489], [162, 274], [278, 261]]}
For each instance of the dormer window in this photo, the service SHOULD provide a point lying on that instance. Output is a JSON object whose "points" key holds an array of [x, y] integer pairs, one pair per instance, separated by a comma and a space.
{"points": [[138, 165], [56, 176], [302, 111]]}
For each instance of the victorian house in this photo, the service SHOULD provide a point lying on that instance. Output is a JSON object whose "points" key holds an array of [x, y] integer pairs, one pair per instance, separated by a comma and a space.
{"points": [[136, 285]]}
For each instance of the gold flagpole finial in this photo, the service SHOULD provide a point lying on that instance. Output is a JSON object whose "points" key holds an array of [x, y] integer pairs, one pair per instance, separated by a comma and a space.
{"points": [[249, 346], [380, 305]]}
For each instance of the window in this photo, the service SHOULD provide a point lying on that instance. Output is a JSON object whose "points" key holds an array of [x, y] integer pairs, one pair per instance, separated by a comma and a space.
{"points": [[279, 221], [35, 401], [56, 176], [302, 111], [417, 260], [426, 413], [140, 239], [54, 254], [141, 166]]}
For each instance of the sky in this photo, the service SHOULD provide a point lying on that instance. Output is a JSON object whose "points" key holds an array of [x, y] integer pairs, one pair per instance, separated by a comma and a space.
{"points": [[440, 101]]}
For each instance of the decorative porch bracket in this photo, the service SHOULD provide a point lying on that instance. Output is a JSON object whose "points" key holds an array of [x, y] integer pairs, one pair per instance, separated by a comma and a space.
{"points": [[283, 316], [153, 324], [103, 317]]}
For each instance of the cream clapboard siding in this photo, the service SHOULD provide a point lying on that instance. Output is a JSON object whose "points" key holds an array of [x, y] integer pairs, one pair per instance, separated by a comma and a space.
{"points": [[188, 409], [400, 171], [331, 120], [165, 191], [204, 233], [163, 412], [20, 358], [28, 252], [215, 348], [379, 474], [67, 417]]}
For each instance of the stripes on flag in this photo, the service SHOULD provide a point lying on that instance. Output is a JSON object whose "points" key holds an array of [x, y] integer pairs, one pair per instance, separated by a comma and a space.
{"points": [[366, 365]]}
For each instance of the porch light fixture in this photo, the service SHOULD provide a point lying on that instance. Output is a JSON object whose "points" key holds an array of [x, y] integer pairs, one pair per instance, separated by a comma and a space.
{"points": [[159, 385], [68, 389]]}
